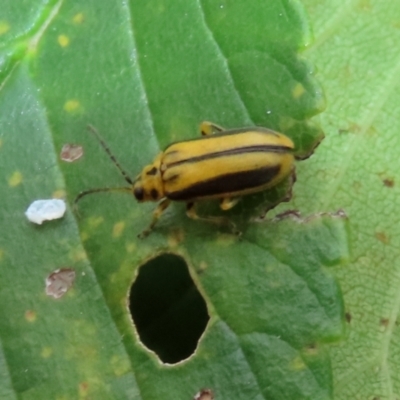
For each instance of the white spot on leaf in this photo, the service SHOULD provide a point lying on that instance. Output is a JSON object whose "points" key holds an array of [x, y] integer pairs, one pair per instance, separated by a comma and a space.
{"points": [[45, 210]]}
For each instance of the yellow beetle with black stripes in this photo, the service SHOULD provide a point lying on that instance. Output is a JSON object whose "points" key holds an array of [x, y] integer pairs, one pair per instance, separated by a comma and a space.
{"points": [[222, 164]]}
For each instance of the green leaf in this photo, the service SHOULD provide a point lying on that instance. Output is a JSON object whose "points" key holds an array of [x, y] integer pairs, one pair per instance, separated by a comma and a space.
{"points": [[357, 48], [145, 74]]}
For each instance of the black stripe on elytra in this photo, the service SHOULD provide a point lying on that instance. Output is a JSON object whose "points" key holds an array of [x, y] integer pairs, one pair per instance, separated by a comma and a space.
{"points": [[171, 178], [227, 183], [233, 152]]}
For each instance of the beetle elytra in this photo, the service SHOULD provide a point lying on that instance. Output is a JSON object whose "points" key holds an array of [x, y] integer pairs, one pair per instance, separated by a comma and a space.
{"points": [[221, 164]]}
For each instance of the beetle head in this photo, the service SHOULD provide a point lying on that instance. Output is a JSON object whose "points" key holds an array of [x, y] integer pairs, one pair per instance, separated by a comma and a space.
{"points": [[148, 185]]}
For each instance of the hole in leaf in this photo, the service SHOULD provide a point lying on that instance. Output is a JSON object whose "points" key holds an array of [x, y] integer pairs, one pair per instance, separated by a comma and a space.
{"points": [[169, 312]]}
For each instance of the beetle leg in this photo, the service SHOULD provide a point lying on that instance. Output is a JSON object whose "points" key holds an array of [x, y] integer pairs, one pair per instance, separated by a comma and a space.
{"points": [[208, 128], [162, 205], [228, 202], [191, 213]]}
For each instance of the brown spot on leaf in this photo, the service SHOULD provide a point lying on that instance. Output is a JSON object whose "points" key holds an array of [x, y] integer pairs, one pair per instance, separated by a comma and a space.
{"points": [[384, 322], [312, 349], [348, 317], [59, 282], [354, 128], [204, 394], [30, 315], [71, 152], [293, 214], [382, 237], [388, 182], [83, 388], [296, 216]]}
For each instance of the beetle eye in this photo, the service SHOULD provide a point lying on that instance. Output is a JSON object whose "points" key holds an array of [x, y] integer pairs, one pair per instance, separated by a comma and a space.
{"points": [[138, 193]]}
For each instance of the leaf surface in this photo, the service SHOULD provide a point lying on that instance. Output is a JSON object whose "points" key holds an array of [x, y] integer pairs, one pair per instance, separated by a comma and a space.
{"points": [[145, 74]]}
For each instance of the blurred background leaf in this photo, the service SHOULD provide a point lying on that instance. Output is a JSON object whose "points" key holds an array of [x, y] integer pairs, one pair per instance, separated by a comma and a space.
{"points": [[357, 47], [145, 74]]}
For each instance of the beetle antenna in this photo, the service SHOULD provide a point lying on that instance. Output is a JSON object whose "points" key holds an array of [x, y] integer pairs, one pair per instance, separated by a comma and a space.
{"points": [[128, 179], [97, 190]]}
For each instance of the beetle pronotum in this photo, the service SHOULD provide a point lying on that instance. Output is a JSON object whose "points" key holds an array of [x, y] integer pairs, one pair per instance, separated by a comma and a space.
{"points": [[222, 164]]}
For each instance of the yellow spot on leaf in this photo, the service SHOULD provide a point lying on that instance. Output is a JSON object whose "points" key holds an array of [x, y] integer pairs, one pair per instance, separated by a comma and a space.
{"points": [[63, 40], [297, 364], [30, 316], [176, 237], [94, 222], [77, 255], [130, 247], [312, 350], [1, 255], [119, 365], [72, 105], [357, 186], [270, 268], [202, 266], [285, 123], [118, 229], [78, 18], [298, 90], [365, 5], [84, 236], [126, 265], [113, 278], [1, 143], [4, 27], [381, 236], [274, 283], [83, 389], [15, 179], [46, 352], [225, 239], [59, 194]]}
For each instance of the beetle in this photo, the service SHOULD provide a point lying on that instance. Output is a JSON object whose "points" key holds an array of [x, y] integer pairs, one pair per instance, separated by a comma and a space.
{"points": [[223, 164]]}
